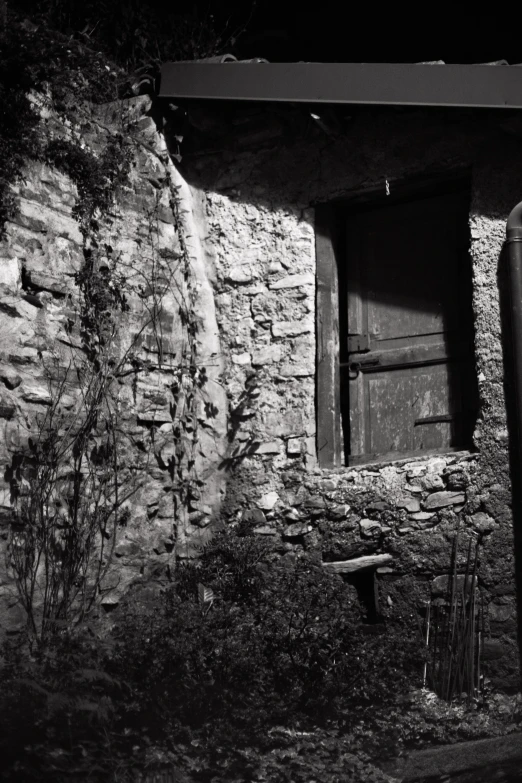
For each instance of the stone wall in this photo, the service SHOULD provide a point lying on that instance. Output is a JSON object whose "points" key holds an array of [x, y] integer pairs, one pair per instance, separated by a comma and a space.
{"points": [[259, 204], [42, 252], [248, 221]]}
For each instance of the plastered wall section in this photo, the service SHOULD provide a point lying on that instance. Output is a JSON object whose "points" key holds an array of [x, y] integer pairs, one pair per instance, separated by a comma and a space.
{"points": [[260, 214]]}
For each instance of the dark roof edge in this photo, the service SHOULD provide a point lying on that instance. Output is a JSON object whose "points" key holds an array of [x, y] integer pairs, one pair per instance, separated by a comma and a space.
{"points": [[480, 86]]}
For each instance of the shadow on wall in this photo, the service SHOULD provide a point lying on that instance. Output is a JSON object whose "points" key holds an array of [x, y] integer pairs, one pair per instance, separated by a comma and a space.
{"points": [[297, 170]]}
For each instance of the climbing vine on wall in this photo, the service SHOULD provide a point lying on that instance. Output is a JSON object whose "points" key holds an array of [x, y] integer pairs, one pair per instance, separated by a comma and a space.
{"points": [[33, 57], [72, 486], [191, 378]]}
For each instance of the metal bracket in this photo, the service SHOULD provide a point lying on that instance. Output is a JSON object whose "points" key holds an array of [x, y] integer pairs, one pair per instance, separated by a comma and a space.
{"points": [[358, 343]]}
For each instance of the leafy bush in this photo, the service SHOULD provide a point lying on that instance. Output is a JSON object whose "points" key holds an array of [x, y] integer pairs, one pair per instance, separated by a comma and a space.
{"points": [[273, 640], [204, 671], [136, 33], [58, 714], [33, 57]]}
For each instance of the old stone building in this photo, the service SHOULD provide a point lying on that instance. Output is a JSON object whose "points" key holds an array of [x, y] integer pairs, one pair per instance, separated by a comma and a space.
{"points": [[345, 276]]}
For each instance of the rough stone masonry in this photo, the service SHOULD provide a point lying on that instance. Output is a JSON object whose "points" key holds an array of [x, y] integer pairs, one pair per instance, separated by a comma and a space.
{"points": [[249, 188]]}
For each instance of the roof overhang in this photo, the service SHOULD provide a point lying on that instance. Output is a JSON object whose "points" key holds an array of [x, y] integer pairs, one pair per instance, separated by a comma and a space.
{"points": [[485, 86]]}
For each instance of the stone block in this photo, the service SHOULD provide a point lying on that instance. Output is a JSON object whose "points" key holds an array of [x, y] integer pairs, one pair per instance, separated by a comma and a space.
{"points": [[293, 281], [46, 282], [297, 370], [199, 518], [377, 505], [240, 275], [369, 528], [413, 471], [268, 501], [291, 328], [37, 394], [443, 499], [284, 424], [297, 529], [457, 480], [493, 649], [431, 482], [271, 447], [240, 358], [358, 564], [423, 516], [436, 465], [127, 549], [10, 273], [294, 447], [483, 523], [267, 354], [254, 515], [442, 584], [501, 613], [411, 505], [328, 485], [315, 504]]}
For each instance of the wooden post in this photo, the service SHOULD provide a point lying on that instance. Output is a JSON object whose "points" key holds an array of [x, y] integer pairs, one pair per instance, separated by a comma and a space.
{"points": [[329, 451]]}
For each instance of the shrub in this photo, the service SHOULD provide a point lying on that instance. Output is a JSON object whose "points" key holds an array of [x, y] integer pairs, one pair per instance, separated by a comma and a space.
{"points": [[58, 714], [204, 671], [243, 639]]}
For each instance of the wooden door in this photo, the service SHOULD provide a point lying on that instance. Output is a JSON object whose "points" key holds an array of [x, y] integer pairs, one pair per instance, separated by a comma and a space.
{"points": [[409, 345]]}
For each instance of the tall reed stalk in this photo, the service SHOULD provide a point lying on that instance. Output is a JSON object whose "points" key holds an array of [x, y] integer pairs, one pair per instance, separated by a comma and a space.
{"points": [[453, 632]]}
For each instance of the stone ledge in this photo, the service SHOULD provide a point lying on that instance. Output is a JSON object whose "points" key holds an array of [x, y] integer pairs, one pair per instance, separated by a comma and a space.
{"points": [[358, 563]]}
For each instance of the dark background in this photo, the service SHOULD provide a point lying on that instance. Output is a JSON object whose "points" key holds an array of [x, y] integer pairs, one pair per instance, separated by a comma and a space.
{"points": [[326, 31], [135, 32]]}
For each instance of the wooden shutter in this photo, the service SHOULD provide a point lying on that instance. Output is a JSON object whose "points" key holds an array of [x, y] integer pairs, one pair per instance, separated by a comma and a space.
{"points": [[410, 370]]}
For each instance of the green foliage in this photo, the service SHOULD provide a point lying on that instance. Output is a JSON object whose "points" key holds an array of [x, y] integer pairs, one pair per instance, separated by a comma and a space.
{"points": [[32, 57], [137, 33], [323, 755], [96, 178], [57, 710], [78, 53], [68, 489], [248, 667], [420, 718], [280, 641], [18, 142], [36, 56]]}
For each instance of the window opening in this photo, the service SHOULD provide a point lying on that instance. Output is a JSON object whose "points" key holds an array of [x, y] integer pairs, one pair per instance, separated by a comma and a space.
{"points": [[401, 276]]}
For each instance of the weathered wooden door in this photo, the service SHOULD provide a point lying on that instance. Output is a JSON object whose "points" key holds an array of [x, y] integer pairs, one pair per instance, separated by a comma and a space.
{"points": [[409, 345]]}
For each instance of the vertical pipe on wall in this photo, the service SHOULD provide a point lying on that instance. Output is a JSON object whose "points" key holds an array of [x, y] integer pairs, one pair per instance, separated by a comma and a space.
{"points": [[514, 279], [511, 294]]}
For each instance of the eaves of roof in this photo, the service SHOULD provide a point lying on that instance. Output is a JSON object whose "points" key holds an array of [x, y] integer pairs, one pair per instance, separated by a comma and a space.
{"points": [[399, 84]]}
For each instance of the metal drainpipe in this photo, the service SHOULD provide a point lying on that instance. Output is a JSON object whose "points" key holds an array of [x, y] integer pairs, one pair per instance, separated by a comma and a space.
{"points": [[513, 374], [514, 275]]}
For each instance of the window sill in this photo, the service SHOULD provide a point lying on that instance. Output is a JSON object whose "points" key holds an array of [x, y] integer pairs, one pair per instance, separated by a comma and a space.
{"points": [[398, 458]]}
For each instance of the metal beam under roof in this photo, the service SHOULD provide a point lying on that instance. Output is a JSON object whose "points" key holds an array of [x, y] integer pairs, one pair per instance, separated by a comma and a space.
{"points": [[486, 86]]}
